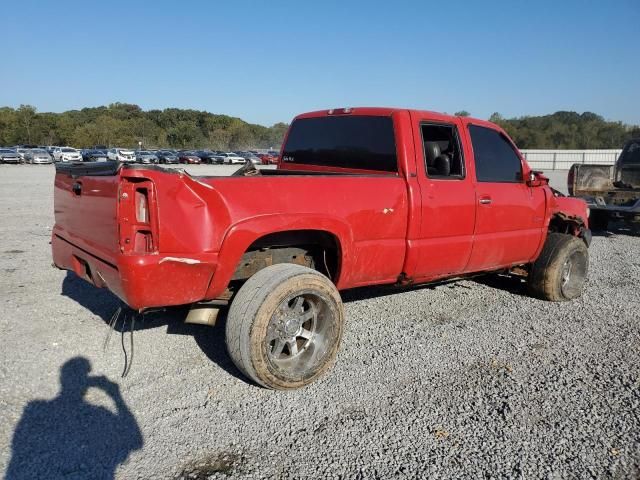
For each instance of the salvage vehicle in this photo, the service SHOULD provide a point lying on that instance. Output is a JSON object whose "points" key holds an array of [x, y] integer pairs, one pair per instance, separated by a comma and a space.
{"points": [[207, 156], [360, 197], [145, 156], [95, 155], [612, 192], [121, 155], [66, 154], [268, 159], [167, 156], [38, 156], [229, 158], [188, 157], [9, 155]]}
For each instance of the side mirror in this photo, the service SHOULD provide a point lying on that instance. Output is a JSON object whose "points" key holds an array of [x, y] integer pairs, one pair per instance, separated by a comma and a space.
{"points": [[536, 179]]}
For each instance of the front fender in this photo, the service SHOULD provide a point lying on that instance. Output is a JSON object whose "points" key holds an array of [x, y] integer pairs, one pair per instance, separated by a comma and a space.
{"points": [[242, 234], [571, 208]]}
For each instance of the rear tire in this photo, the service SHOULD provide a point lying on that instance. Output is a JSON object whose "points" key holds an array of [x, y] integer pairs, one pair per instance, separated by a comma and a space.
{"points": [[284, 326], [559, 272]]}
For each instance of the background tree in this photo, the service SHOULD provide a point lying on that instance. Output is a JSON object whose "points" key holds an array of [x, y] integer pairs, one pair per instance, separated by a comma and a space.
{"points": [[566, 130], [26, 114]]}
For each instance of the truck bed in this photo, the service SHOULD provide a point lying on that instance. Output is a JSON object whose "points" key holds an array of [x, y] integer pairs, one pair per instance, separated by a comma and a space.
{"points": [[168, 253]]}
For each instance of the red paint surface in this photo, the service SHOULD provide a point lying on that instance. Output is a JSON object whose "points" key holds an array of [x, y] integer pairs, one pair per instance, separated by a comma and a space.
{"points": [[385, 224]]}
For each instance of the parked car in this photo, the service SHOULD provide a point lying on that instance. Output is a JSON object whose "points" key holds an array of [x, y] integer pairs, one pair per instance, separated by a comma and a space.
{"points": [[366, 196], [95, 155], [121, 155], [167, 156], [22, 153], [268, 159], [252, 158], [207, 156], [145, 156], [38, 156], [229, 157], [611, 191], [9, 155], [189, 157], [66, 154]]}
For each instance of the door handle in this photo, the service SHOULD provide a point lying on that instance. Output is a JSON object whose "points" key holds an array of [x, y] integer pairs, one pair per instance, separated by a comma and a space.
{"points": [[485, 200]]}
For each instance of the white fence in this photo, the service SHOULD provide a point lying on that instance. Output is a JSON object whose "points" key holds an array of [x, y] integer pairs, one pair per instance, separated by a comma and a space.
{"points": [[563, 159]]}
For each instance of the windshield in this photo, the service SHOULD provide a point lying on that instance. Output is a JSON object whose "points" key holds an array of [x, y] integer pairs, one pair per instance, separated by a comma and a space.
{"points": [[69, 150], [38, 151], [361, 142], [631, 154], [6, 150]]}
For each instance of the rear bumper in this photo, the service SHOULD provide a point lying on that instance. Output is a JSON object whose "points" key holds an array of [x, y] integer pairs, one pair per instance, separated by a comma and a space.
{"points": [[141, 281]]}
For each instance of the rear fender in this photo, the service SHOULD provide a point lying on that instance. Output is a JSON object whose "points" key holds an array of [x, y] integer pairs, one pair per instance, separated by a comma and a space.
{"points": [[241, 235]]}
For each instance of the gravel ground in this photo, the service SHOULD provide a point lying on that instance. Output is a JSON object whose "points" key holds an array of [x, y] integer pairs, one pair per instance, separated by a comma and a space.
{"points": [[468, 379]]}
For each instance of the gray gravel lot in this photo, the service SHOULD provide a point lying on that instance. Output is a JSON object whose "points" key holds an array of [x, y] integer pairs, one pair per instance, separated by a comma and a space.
{"points": [[468, 379]]}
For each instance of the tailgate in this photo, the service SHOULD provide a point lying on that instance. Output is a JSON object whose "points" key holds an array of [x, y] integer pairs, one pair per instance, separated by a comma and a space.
{"points": [[590, 179], [86, 207]]}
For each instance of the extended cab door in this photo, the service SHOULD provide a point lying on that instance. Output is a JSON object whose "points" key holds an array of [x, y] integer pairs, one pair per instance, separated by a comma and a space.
{"points": [[444, 240], [510, 215]]}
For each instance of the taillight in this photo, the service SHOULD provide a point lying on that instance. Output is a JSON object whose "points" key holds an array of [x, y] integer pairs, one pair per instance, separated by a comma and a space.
{"points": [[138, 229], [142, 205]]}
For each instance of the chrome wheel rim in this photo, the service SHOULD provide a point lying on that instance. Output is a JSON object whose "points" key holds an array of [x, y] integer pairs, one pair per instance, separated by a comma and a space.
{"points": [[572, 275], [298, 333], [566, 272]]}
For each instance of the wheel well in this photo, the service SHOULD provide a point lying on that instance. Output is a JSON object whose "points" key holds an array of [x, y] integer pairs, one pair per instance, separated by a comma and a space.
{"points": [[560, 223], [315, 249]]}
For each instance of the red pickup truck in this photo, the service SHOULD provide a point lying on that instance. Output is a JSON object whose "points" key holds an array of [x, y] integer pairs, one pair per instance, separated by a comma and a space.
{"points": [[361, 196]]}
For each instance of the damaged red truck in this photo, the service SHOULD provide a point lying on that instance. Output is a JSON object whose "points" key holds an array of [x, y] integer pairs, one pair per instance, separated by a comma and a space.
{"points": [[362, 196]]}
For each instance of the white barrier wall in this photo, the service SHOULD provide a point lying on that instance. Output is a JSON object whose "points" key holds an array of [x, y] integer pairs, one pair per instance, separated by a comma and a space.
{"points": [[563, 159]]}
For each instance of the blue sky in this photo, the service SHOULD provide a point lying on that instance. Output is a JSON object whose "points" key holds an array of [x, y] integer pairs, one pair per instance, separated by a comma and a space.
{"points": [[265, 61]]}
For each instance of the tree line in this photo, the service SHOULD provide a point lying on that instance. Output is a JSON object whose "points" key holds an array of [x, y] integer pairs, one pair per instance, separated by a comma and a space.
{"points": [[566, 131], [124, 125]]}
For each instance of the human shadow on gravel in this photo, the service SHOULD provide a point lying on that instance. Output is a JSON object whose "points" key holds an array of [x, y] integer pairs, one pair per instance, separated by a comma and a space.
{"points": [[67, 437], [104, 304]]}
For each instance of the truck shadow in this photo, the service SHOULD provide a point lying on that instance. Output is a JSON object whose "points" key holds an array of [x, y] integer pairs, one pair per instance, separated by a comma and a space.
{"points": [[509, 283], [102, 303], [615, 229], [211, 340]]}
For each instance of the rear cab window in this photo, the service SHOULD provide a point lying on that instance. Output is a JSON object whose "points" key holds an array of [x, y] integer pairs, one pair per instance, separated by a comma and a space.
{"points": [[357, 142], [495, 158]]}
